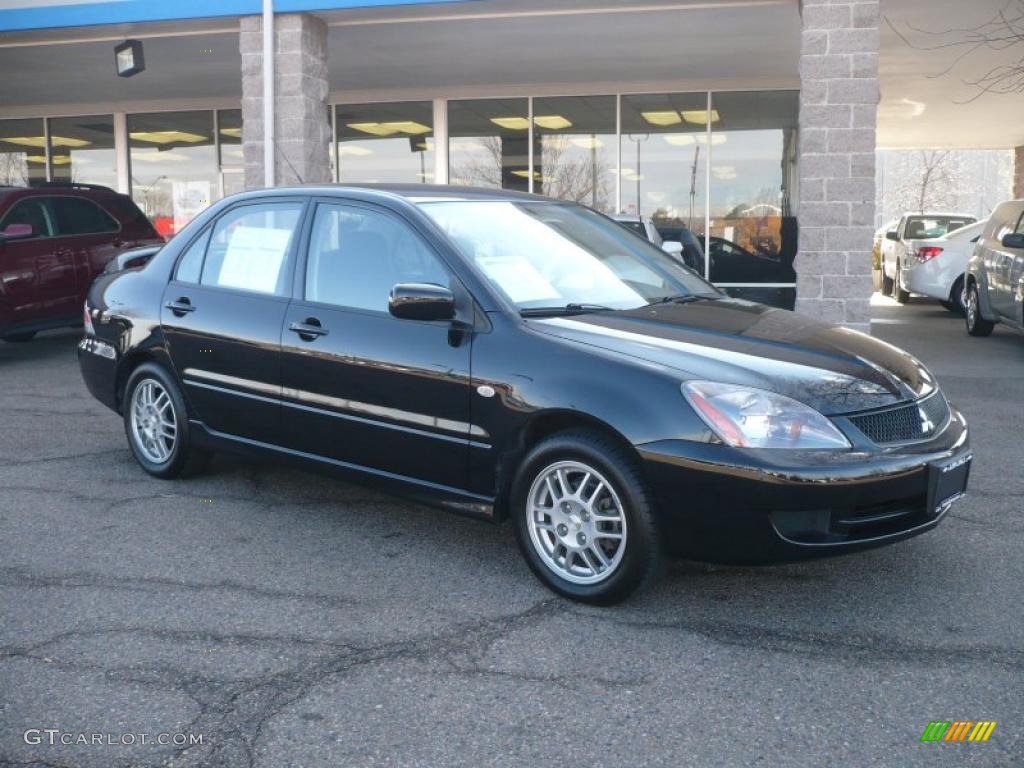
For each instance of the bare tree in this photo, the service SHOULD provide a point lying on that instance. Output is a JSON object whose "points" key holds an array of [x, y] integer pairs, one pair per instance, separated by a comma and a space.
{"points": [[926, 181], [582, 178], [1003, 32]]}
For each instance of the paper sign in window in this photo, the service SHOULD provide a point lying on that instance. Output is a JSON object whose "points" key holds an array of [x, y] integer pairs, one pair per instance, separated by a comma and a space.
{"points": [[254, 258]]}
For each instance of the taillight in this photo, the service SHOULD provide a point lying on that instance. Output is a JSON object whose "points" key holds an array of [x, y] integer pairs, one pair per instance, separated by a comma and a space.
{"points": [[87, 321], [928, 252]]}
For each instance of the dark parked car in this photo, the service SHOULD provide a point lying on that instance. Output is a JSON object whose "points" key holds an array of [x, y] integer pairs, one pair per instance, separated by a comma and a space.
{"points": [[506, 355], [54, 240]]}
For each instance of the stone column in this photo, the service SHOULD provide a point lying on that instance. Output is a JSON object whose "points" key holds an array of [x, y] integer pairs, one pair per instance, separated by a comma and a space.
{"points": [[302, 130], [839, 95], [1018, 173]]}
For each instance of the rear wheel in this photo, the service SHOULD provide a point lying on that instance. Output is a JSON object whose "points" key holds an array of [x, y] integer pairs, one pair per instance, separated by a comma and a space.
{"points": [[584, 520], [156, 423], [19, 338], [898, 291], [957, 297], [976, 324]]}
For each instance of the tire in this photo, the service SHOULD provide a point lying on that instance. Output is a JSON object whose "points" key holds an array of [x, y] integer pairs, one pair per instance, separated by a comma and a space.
{"points": [[151, 401], [886, 284], [605, 573], [976, 324], [900, 295], [20, 338], [955, 303]]}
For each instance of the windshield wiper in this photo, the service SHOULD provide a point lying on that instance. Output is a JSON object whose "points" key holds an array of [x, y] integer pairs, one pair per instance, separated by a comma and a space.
{"points": [[681, 298], [566, 309]]}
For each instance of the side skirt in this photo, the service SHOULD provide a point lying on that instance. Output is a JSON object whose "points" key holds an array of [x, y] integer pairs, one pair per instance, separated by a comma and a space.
{"points": [[446, 497]]}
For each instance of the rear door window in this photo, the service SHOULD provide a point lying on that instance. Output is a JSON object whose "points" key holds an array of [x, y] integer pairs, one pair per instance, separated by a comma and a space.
{"points": [[250, 248], [78, 216], [31, 211]]}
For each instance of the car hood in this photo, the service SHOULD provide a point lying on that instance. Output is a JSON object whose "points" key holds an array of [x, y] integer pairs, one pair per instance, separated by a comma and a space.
{"points": [[834, 370]]}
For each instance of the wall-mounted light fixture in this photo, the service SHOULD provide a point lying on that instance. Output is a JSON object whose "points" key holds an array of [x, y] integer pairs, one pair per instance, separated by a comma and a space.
{"points": [[129, 59]]}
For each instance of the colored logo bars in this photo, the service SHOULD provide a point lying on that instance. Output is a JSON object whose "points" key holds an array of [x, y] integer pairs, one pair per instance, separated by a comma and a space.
{"points": [[958, 730]]}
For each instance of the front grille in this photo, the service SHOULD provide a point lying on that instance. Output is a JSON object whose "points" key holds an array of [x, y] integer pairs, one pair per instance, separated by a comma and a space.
{"points": [[905, 423]]}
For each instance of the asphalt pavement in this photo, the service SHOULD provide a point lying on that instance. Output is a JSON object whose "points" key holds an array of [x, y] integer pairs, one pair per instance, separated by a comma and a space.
{"points": [[288, 619]]}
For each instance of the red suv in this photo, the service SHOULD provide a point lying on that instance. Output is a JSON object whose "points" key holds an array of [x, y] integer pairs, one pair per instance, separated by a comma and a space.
{"points": [[54, 240]]}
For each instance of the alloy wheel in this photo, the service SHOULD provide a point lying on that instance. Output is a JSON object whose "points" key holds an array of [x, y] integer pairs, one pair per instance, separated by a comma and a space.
{"points": [[576, 522], [154, 425]]}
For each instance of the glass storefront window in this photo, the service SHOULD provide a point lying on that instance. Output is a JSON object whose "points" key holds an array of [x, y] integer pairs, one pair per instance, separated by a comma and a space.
{"points": [[753, 167], [575, 153], [489, 143], [232, 163], [386, 143], [664, 155], [173, 166], [22, 152], [82, 150]]}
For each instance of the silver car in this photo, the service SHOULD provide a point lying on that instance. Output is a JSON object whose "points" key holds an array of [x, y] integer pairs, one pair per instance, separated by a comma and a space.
{"points": [[644, 227], [995, 273]]}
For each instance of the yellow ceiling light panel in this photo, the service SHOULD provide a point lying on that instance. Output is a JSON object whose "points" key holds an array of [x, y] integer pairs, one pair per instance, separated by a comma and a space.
{"points": [[512, 123], [699, 116], [679, 139], [552, 122], [345, 150], [235, 133], [662, 118], [167, 137], [40, 141]]}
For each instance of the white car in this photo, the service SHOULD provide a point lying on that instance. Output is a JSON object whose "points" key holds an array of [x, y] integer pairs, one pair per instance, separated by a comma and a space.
{"points": [[641, 225], [936, 267], [901, 243]]}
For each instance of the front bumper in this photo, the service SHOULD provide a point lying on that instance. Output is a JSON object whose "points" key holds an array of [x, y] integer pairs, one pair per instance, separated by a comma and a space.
{"points": [[727, 505]]}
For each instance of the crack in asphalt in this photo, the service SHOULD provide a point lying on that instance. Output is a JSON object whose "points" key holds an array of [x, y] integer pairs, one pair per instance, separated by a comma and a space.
{"points": [[19, 577]]}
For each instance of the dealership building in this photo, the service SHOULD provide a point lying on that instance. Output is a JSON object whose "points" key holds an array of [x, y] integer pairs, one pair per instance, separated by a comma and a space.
{"points": [[752, 123]]}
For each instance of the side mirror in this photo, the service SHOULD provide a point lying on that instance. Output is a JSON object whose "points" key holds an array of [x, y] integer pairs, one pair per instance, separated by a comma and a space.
{"points": [[421, 301], [892, 234], [1014, 240], [17, 232]]}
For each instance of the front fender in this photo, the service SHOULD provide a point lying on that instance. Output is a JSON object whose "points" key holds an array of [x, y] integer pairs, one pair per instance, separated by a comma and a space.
{"points": [[976, 271]]}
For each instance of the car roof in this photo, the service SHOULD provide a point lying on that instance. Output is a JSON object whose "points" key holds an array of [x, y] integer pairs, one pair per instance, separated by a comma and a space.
{"points": [[412, 192]]}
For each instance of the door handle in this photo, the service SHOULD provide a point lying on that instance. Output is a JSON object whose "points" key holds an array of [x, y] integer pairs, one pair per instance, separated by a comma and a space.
{"points": [[180, 306], [309, 329]]}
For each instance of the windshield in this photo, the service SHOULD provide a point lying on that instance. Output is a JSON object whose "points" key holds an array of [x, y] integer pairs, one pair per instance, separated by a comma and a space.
{"points": [[555, 255], [928, 227]]}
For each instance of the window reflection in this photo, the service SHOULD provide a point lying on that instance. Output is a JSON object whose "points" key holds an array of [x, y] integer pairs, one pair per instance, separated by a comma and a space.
{"points": [[664, 153], [22, 152], [489, 143], [173, 166], [82, 149], [232, 163], [386, 143], [753, 168], [575, 154]]}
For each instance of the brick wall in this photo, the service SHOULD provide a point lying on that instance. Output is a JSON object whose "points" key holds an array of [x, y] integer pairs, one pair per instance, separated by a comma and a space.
{"points": [[301, 126], [838, 105]]}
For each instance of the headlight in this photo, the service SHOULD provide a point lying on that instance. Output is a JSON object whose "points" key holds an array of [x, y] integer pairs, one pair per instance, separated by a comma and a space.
{"points": [[754, 418]]}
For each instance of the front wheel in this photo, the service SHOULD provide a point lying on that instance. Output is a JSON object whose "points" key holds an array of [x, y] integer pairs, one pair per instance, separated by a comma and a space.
{"points": [[900, 294], [976, 324], [584, 519], [886, 283], [156, 423]]}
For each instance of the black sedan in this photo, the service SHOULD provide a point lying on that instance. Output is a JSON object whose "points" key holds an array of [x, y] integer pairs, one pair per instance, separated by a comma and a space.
{"points": [[509, 356]]}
